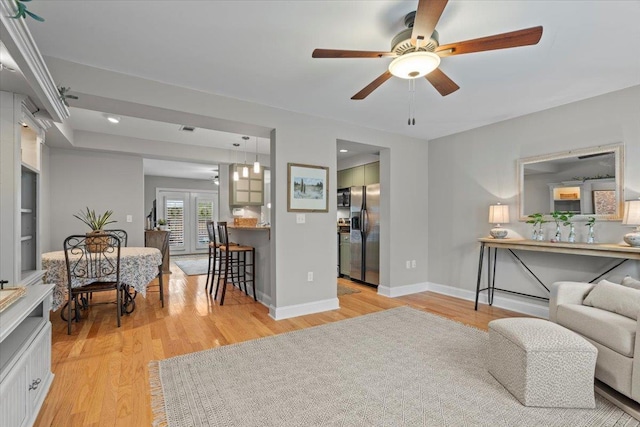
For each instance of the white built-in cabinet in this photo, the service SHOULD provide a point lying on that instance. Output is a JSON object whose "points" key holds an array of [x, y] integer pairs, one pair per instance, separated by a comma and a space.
{"points": [[25, 329]]}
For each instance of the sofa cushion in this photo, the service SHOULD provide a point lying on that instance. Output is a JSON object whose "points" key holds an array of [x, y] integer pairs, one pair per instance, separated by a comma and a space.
{"points": [[607, 328], [615, 298], [630, 282]]}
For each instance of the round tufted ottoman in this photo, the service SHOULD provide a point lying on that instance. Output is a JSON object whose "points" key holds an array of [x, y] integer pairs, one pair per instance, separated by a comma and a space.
{"points": [[542, 363]]}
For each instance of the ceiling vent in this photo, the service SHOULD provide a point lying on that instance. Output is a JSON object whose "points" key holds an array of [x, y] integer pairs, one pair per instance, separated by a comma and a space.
{"points": [[186, 128]]}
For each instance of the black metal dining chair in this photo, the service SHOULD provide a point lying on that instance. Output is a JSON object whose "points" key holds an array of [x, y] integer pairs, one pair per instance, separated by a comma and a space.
{"points": [[93, 265], [121, 234]]}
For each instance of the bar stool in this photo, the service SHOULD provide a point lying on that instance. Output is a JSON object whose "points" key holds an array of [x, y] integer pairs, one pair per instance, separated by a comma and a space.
{"points": [[234, 263], [214, 257]]}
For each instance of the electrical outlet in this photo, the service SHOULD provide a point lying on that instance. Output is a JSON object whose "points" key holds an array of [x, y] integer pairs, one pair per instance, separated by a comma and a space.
{"points": [[129, 218], [300, 219], [408, 264], [413, 263], [310, 276]]}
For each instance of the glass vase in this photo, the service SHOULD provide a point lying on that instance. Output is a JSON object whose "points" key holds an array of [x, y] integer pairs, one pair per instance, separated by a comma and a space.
{"points": [[558, 235], [591, 236], [534, 233], [572, 234], [540, 235]]}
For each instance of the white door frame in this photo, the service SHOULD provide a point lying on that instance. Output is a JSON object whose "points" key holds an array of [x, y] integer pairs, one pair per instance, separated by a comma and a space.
{"points": [[190, 197]]}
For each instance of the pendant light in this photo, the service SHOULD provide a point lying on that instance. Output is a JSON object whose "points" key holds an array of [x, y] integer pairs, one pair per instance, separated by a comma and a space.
{"points": [[236, 176], [256, 164], [245, 168]]}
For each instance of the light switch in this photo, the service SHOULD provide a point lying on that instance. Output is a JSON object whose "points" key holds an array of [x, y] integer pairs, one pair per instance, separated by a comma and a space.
{"points": [[300, 219], [129, 218]]}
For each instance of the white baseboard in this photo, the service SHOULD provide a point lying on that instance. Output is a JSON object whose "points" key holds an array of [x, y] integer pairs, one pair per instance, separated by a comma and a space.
{"points": [[398, 291], [498, 301], [279, 313], [263, 298]]}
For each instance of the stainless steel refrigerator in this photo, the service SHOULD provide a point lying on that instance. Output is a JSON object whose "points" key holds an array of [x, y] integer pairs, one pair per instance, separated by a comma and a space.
{"points": [[365, 234]]}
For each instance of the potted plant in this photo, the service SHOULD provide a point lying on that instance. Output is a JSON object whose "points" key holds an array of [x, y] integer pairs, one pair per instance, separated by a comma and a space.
{"points": [[563, 218], [537, 219], [567, 222], [96, 223], [162, 224]]}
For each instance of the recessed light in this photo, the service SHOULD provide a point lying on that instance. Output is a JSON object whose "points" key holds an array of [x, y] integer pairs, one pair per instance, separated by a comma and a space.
{"points": [[113, 119], [344, 151]]}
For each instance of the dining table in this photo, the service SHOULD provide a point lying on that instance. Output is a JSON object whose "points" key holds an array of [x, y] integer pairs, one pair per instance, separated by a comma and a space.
{"points": [[138, 267]]}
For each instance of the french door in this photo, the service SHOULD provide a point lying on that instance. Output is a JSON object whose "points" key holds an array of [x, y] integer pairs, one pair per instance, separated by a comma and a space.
{"points": [[187, 213]]}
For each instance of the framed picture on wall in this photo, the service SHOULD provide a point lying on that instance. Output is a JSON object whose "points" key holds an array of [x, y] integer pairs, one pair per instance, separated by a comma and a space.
{"points": [[604, 202], [307, 188]]}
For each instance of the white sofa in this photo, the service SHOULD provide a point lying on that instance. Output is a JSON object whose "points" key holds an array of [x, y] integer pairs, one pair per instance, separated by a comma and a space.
{"points": [[614, 335]]}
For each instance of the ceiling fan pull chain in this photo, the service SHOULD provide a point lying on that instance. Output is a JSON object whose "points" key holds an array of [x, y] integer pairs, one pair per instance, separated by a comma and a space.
{"points": [[410, 110], [413, 101]]}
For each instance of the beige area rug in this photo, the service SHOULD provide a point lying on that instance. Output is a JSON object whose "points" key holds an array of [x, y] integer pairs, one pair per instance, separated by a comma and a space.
{"points": [[346, 290], [391, 368]]}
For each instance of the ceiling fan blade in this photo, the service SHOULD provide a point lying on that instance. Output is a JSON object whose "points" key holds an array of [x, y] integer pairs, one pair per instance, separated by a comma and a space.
{"points": [[338, 53], [526, 37], [372, 86], [442, 82], [427, 16]]}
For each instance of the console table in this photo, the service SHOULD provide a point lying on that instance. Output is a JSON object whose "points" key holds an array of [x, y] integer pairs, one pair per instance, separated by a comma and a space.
{"points": [[606, 250]]}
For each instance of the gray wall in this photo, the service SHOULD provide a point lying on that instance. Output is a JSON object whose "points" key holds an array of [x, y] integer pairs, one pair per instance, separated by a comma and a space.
{"points": [[100, 181], [471, 170], [297, 248]]}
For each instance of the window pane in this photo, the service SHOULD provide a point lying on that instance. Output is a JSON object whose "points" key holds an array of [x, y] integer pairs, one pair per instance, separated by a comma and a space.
{"points": [[175, 222]]}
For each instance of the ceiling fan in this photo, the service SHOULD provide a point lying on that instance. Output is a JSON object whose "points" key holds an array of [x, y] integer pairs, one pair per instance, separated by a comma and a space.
{"points": [[417, 50]]}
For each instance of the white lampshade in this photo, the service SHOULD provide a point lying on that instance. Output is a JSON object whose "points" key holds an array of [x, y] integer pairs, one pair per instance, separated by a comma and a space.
{"points": [[245, 171], [236, 176], [413, 65], [256, 167], [631, 213], [498, 214], [632, 217]]}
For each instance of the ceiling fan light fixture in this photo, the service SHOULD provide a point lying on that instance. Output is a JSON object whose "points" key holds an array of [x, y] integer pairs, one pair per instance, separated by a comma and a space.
{"points": [[414, 65]]}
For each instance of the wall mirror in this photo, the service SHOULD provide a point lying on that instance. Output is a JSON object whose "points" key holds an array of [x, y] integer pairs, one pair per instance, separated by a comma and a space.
{"points": [[587, 182]]}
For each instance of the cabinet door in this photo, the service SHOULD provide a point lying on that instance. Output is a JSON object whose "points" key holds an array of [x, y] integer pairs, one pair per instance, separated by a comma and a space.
{"points": [[357, 177], [372, 173], [340, 180], [14, 404], [39, 368]]}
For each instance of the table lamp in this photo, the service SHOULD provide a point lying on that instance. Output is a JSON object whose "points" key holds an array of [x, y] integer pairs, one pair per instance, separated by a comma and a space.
{"points": [[498, 214], [632, 217]]}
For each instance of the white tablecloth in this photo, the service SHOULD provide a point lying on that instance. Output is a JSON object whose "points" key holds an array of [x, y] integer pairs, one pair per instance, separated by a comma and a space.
{"points": [[138, 267]]}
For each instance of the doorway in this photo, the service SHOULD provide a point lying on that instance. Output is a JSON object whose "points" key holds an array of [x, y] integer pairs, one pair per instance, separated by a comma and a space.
{"points": [[187, 213]]}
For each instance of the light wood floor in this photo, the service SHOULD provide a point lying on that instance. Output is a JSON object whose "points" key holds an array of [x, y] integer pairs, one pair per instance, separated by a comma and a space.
{"points": [[101, 375]]}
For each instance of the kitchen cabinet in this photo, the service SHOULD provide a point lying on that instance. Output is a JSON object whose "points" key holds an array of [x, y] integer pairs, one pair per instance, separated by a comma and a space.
{"points": [[344, 251], [345, 178], [372, 173], [359, 175], [20, 159], [246, 191], [25, 356], [357, 178]]}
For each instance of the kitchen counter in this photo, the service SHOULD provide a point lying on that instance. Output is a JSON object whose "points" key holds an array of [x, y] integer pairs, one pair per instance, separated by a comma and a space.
{"points": [[261, 242], [236, 227]]}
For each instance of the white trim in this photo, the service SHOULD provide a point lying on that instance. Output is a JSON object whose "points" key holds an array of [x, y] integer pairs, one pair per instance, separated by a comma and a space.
{"points": [[498, 301], [279, 313], [398, 291], [24, 51]]}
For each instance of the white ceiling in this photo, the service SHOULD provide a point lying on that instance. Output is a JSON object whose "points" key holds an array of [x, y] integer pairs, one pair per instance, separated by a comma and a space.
{"points": [[173, 169], [260, 51]]}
